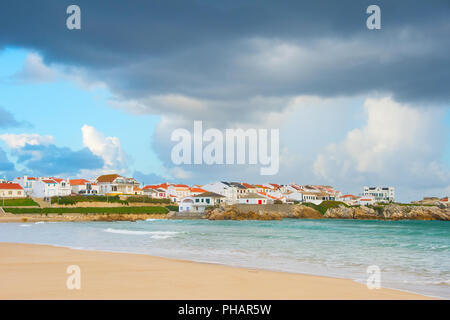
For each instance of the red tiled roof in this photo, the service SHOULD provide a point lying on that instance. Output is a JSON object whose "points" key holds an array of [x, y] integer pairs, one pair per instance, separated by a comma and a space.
{"points": [[78, 182], [10, 186], [57, 179], [268, 195], [156, 186], [180, 186], [151, 187], [197, 190], [248, 186], [49, 181], [107, 178]]}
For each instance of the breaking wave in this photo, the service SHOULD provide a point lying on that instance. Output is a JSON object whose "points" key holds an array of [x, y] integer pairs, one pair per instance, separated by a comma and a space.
{"points": [[153, 234]]}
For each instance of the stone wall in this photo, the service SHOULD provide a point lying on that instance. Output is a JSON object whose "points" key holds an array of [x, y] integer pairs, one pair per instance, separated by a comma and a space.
{"points": [[279, 208]]}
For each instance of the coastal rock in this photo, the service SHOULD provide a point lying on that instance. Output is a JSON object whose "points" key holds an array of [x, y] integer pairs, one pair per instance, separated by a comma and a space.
{"points": [[340, 213], [231, 213], [396, 212], [390, 212], [304, 212]]}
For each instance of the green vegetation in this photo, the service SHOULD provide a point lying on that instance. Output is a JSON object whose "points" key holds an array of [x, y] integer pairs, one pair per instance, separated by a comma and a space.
{"points": [[72, 200], [145, 199], [325, 205], [18, 202], [114, 210], [173, 208]]}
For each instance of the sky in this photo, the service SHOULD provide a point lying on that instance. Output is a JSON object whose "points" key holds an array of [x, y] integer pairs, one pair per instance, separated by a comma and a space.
{"points": [[354, 106]]}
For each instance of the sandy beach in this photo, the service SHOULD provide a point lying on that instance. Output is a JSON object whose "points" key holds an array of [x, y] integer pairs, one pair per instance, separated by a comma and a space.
{"points": [[39, 272]]}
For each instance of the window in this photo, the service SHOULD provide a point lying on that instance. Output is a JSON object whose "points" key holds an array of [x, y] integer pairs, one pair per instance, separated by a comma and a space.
{"points": [[197, 200], [207, 200], [10, 193], [19, 192]]}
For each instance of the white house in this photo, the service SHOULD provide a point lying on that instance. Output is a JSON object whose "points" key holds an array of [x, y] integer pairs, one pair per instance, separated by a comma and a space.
{"points": [[252, 198], [365, 201], [156, 191], [180, 191], [114, 184], [381, 194], [186, 204], [26, 183], [225, 189], [83, 186], [204, 200], [44, 187], [64, 188], [11, 190], [350, 199]]}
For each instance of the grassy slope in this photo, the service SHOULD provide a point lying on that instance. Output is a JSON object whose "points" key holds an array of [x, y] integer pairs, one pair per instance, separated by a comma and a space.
{"points": [[18, 202], [325, 205], [71, 200], [122, 210]]}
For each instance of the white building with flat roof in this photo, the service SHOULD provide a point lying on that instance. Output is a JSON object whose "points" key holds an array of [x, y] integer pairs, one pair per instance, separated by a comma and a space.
{"points": [[380, 194]]}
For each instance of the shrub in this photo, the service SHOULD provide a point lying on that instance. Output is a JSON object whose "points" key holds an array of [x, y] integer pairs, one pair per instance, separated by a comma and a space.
{"points": [[119, 210], [19, 202], [72, 200], [173, 208], [325, 205], [147, 199]]}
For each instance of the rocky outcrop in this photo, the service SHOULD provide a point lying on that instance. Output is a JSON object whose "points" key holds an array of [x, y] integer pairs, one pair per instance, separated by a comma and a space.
{"points": [[231, 213], [390, 212], [304, 212], [342, 212], [185, 215], [396, 212], [237, 213]]}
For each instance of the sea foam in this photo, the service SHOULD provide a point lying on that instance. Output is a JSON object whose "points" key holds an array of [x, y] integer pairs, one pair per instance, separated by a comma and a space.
{"points": [[153, 234]]}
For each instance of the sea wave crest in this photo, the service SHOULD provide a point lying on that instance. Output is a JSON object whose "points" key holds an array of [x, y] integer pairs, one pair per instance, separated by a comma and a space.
{"points": [[153, 234]]}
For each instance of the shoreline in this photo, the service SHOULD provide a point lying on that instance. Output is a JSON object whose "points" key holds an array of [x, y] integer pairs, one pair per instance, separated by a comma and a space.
{"points": [[115, 275], [77, 217]]}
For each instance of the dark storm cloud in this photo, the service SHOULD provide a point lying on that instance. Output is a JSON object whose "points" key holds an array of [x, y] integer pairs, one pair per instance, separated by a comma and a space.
{"points": [[225, 52]]}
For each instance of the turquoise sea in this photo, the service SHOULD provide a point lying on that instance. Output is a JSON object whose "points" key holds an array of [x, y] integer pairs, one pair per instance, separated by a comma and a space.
{"points": [[412, 255]]}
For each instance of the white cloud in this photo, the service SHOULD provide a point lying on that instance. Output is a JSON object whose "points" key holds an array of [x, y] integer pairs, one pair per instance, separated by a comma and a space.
{"points": [[398, 145], [108, 148], [180, 173], [15, 141], [34, 70]]}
